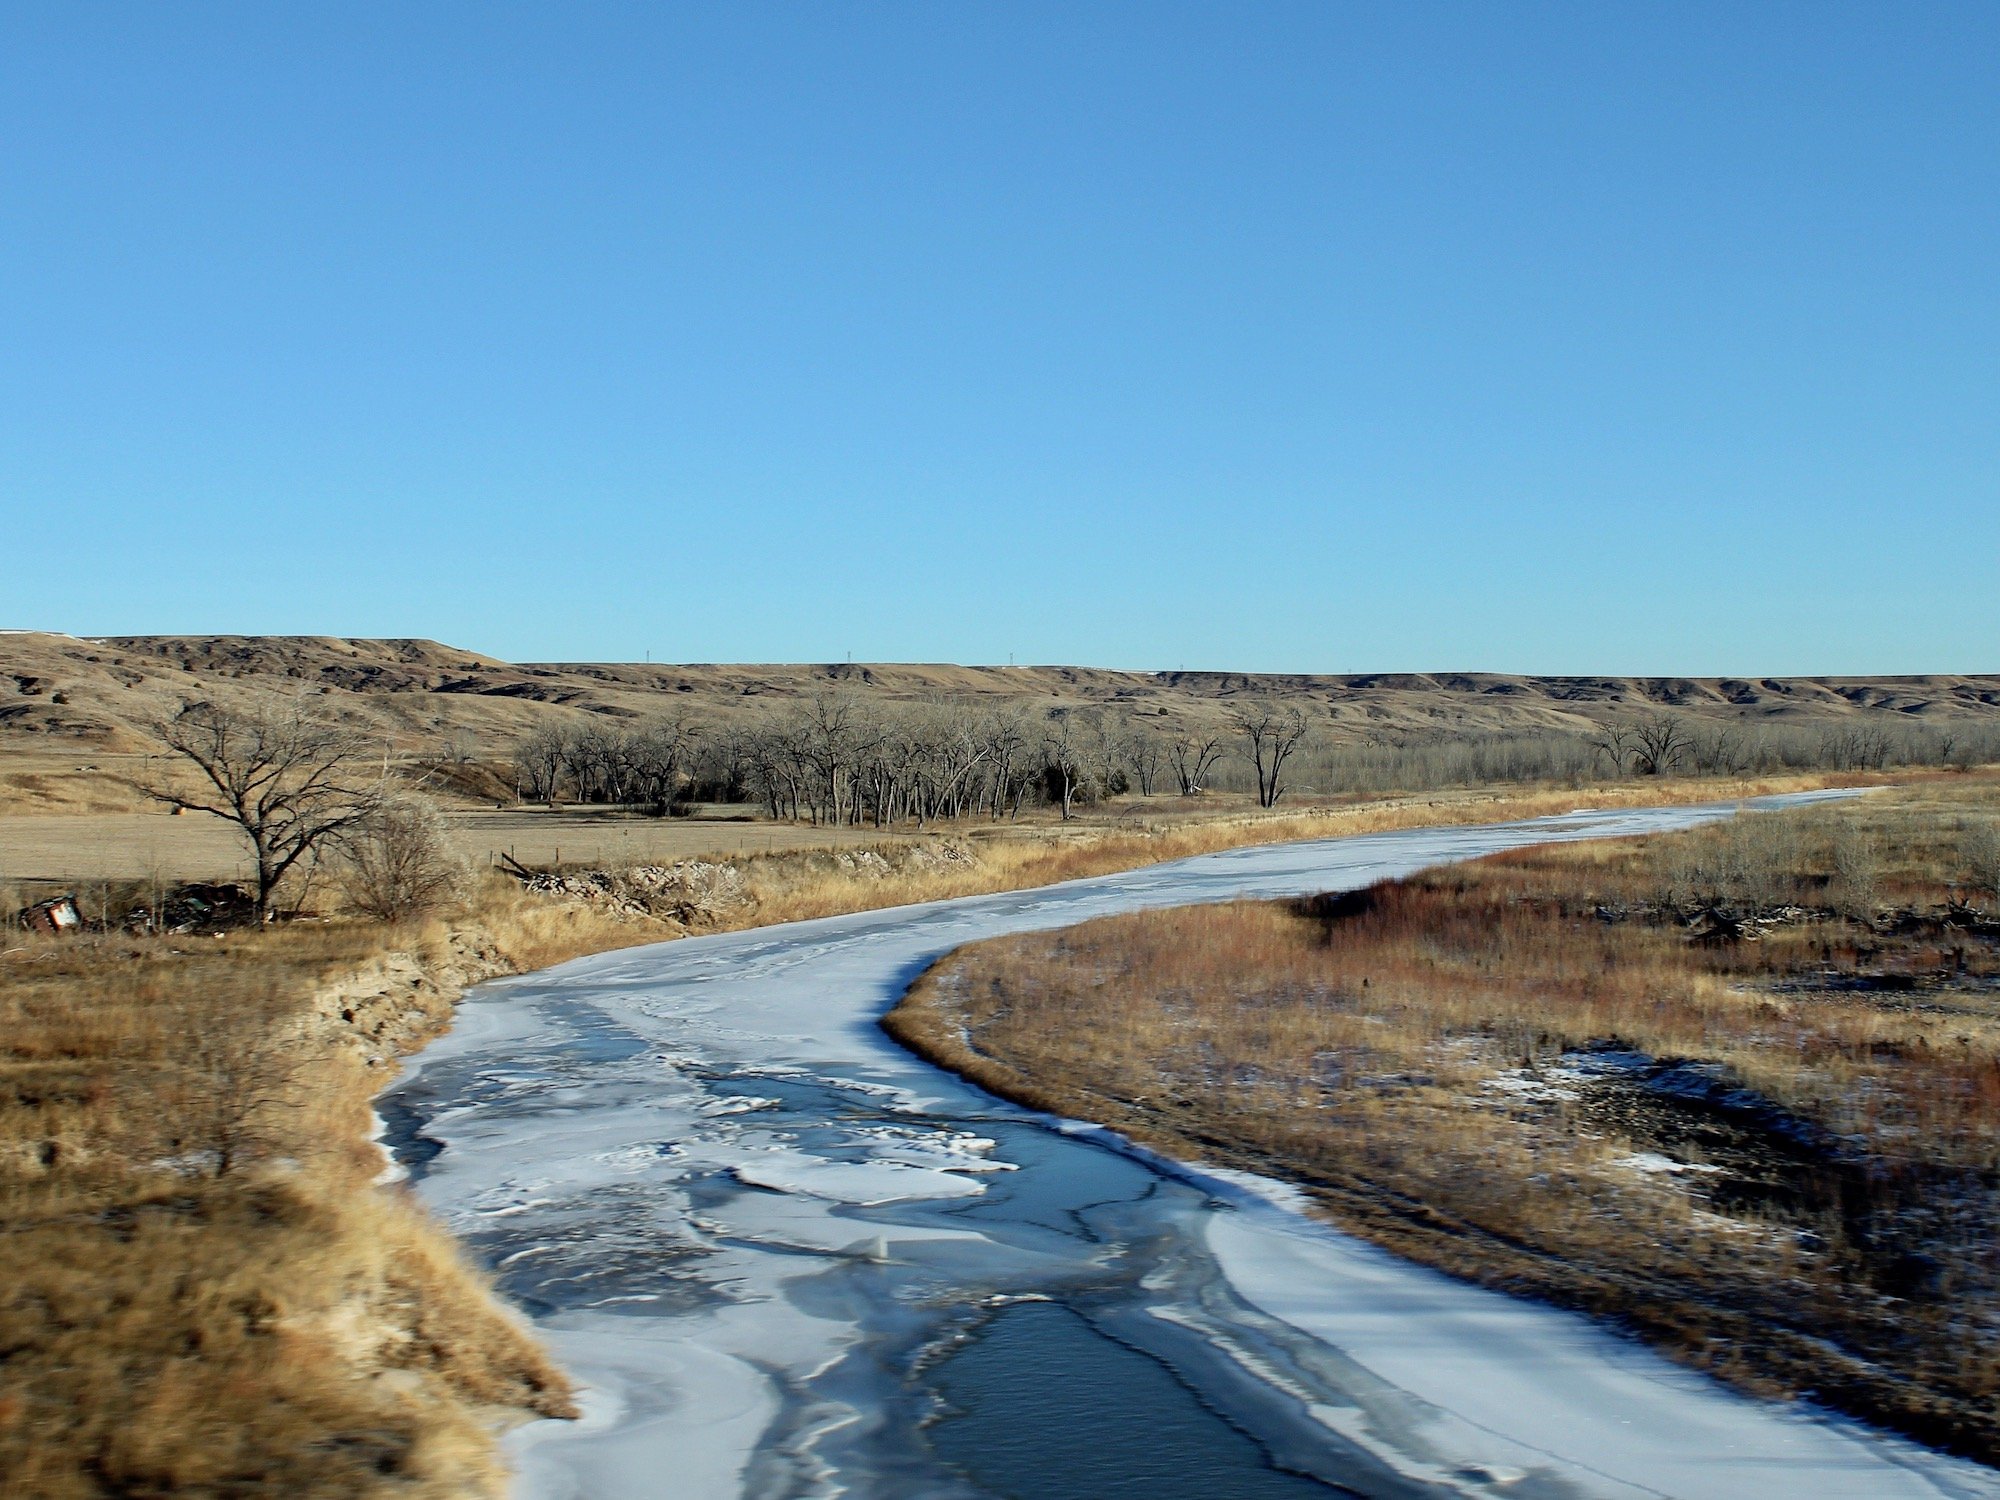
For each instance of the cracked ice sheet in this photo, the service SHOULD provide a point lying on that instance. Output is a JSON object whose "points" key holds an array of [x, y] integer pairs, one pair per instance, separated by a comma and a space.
{"points": [[865, 1184], [1517, 1385]]}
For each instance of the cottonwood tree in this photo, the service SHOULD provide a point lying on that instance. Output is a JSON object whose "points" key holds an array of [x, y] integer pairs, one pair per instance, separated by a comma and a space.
{"points": [[1650, 746], [1659, 741], [287, 778], [540, 758], [1273, 735], [1064, 744], [1720, 751], [658, 756], [1194, 753], [1145, 755]]}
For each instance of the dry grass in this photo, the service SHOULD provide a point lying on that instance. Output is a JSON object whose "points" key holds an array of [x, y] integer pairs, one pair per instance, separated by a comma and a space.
{"points": [[203, 1295], [1813, 1210]]}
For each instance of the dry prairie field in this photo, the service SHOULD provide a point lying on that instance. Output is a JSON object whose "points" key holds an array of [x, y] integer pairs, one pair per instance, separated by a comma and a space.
{"points": [[1737, 1090], [53, 849], [200, 1291]]}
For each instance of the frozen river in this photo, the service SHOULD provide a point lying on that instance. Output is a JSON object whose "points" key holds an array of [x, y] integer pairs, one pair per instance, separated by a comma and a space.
{"points": [[784, 1257]]}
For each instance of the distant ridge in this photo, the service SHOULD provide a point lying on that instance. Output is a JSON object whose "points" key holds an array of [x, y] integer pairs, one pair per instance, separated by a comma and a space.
{"points": [[57, 688]]}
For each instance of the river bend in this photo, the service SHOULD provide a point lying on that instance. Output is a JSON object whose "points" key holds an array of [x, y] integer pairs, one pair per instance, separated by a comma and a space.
{"points": [[786, 1258]]}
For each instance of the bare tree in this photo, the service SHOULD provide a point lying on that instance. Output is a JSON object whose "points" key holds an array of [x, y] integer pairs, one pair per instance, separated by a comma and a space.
{"points": [[540, 759], [1659, 743], [1614, 742], [658, 755], [287, 778], [1064, 742], [1009, 745], [1651, 746], [1857, 869], [397, 862], [1273, 735], [229, 1086], [1720, 751], [1145, 754], [1194, 753]]}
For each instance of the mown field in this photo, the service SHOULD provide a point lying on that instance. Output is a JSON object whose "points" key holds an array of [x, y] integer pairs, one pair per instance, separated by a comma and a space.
{"points": [[1737, 1090]]}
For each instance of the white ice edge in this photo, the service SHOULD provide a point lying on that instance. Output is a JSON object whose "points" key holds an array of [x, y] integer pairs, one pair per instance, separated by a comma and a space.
{"points": [[1510, 1385]]}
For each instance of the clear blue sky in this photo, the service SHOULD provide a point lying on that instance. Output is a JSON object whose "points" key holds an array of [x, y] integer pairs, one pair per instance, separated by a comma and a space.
{"points": [[1596, 337]]}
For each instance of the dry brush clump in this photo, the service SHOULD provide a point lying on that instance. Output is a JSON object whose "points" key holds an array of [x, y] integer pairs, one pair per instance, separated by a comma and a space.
{"points": [[1738, 1089]]}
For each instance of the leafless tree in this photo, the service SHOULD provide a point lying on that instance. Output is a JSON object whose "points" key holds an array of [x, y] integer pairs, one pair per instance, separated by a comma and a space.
{"points": [[397, 862], [1857, 869], [229, 1084], [1273, 734], [1064, 741], [287, 778], [658, 755], [1194, 753], [1659, 741], [1650, 746], [1720, 750], [1009, 740], [540, 758], [1614, 742], [1144, 755]]}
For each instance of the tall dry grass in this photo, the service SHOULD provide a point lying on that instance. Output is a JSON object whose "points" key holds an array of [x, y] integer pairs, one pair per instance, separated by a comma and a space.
{"points": [[200, 1291], [1421, 1056]]}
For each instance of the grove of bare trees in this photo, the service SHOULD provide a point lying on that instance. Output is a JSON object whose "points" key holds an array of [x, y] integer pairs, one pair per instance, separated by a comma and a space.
{"points": [[842, 757]]}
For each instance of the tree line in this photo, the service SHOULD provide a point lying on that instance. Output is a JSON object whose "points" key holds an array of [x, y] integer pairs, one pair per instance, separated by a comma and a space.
{"points": [[842, 758], [301, 787]]}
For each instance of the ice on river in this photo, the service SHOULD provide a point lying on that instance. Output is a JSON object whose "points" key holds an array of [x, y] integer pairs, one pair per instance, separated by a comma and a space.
{"points": [[752, 1226]]}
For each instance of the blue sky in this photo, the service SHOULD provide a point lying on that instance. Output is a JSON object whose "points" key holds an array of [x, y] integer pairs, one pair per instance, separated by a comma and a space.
{"points": [[1578, 338]]}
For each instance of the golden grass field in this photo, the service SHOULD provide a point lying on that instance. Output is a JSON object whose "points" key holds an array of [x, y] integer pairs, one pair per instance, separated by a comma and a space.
{"points": [[149, 845], [1420, 1058]]}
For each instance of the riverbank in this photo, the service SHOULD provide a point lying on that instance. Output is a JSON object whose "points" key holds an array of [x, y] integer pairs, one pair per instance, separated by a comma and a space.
{"points": [[1731, 1090], [205, 1292]]}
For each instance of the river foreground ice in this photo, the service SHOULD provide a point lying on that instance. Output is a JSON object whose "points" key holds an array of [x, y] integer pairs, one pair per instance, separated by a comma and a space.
{"points": [[784, 1257]]}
